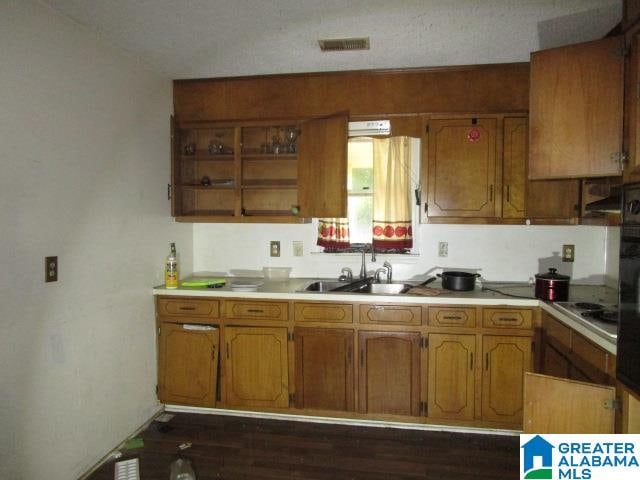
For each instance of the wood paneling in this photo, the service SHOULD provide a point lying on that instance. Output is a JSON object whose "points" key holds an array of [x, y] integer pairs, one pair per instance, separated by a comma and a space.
{"points": [[555, 405], [462, 167], [555, 332], [324, 369], [481, 88], [389, 372], [256, 367], [576, 110], [505, 361], [553, 199], [188, 366], [451, 376]]}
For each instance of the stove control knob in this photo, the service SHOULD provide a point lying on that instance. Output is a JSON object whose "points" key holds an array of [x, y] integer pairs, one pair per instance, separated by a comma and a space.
{"points": [[633, 207]]}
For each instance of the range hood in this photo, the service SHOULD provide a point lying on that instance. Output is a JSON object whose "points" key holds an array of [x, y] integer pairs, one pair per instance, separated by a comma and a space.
{"points": [[609, 204]]}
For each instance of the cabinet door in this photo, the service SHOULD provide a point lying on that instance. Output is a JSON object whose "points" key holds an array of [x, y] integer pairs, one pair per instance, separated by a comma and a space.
{"points": [[324, 368], [390, 372], [514, 166], [553, 199], [256, 368], [322, 168], [176, 192], [557, 405], [462, 168], [576, 110], [188, 364], [505, 361], [451, 376]]}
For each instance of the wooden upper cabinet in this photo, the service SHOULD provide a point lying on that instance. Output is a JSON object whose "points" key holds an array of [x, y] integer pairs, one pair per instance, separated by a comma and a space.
{"points": [[514, 167], [389, 372], [322, 167], [324, 368], [462, 167], [575, 106], [553, 199]]}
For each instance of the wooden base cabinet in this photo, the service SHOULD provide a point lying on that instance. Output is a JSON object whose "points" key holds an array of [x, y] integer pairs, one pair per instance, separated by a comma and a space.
{"points": [[324, 368], [389, 372], [451, 376], [256, 367], [188, 366], [505, 361]]}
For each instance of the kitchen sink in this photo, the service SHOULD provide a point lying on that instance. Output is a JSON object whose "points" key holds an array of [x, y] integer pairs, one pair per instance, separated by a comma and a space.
{"points": [[359, 286]]}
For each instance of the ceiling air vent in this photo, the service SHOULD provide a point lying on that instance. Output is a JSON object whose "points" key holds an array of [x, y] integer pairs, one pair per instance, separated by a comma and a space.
{"points": [[340, 44]]}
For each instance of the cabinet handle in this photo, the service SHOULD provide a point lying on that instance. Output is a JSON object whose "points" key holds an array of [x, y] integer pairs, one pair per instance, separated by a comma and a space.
{"points": [[471, 361], [491, 193], [486, 361], [349, 355], [213, 353], [254, 310], [227, 349], [508, 193], [508, 319], [362, 358], [452, 317], [186, 308]]}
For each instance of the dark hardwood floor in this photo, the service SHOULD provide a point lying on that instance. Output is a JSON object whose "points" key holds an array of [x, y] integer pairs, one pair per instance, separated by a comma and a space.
{"points": [[247, 448]]}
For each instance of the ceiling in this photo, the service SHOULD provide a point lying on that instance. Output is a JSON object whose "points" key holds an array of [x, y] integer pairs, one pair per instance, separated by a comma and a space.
{"points": [[221, 38]]}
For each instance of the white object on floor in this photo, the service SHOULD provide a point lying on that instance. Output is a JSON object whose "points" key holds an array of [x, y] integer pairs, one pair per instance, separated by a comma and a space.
{"points": [[127, 470]]}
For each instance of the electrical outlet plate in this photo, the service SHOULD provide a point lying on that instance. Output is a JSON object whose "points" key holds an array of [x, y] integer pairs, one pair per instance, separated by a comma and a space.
{"points": [[50, 269], [297, 248], [568, 253], [275, 248], [443, 249]]}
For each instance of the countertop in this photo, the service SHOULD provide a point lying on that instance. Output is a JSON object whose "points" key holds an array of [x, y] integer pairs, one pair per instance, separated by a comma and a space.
{"points": [[507, 294]]}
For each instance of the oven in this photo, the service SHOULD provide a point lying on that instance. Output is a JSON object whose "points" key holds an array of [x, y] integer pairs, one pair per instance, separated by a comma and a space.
{"points": [[628, 345]]}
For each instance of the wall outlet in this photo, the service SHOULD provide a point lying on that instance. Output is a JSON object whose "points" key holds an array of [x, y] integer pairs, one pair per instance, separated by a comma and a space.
{"points": [[275, 248], [297, 248], [50, 269], [568, 253], [443, 249]]}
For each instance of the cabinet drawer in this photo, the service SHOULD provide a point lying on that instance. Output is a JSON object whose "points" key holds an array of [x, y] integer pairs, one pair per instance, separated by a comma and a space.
{"points": [[452, 316], [506, 318], [324, 312], [256, 310], [391, 314], [556, 333], [188, 307]]}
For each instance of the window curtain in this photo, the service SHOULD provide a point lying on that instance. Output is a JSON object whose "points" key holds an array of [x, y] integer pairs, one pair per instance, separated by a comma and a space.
{"points": [[333, 233], [391, 187]]}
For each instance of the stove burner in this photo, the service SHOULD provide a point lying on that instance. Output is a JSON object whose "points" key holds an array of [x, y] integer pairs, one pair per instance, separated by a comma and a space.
{"points": [[608, 316], [589, 306]]}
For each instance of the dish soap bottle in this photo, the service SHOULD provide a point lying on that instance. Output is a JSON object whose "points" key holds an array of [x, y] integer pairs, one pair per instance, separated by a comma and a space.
{"points": [[171, 269]]}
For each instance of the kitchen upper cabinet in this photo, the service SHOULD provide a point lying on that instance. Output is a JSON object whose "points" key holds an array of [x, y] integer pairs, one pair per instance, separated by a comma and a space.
{"points": [[462, 167], [514, 167], [390, 372], [256, 367], [188, 364], [324, 368], [549, 201], [451, 389], [505, 361], [262, 171], [576, 95]]}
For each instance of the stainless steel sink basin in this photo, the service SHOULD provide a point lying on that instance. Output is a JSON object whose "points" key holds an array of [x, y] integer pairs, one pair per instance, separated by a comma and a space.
{"points": [[323, 286], [387, 288]]}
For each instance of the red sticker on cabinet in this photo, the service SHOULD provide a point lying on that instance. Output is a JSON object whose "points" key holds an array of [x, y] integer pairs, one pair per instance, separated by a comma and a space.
{"points": [[473, 135]]}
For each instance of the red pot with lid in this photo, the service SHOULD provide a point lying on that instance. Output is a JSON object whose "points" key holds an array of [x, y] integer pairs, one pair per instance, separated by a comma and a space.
{"points": [[552, 286]]}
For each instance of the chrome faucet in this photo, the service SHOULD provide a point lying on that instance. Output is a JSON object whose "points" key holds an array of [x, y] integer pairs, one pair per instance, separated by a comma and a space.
{"points": [[384, 270], [387, 265], [363, 267], [346, 275]]}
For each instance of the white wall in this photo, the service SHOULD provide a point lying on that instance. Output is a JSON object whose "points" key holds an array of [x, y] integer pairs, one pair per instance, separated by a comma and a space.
{"points": [[84, 149], [612, 262], [501, 252]]}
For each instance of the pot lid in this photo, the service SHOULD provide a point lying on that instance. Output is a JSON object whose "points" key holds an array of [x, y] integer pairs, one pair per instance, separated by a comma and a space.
{"points": [[553, 275]]}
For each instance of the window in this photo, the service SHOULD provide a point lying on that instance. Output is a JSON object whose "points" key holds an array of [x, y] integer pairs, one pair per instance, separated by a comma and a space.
{"points": [[382, 177]]}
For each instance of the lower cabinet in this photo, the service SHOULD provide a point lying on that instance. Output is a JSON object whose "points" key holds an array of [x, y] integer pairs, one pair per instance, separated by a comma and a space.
{"points": [[451, 376], [188, 364], [324, 368], [505, 361], [256, 367], [389, 380]]}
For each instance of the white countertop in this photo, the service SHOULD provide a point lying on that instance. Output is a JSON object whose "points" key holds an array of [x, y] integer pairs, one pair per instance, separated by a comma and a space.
{"points": [[290, 290]]}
